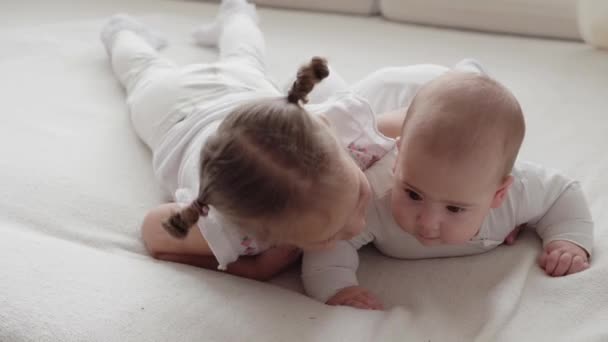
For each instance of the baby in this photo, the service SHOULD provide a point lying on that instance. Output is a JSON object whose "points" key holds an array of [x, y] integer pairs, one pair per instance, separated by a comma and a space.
{"points": [[452, 187]]}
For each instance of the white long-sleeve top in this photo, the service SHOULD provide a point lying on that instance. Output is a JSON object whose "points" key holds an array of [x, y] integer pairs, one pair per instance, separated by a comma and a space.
{"points": [[539, 197]]}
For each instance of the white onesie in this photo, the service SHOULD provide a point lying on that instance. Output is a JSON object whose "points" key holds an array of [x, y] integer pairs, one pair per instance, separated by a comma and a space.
{"points": [[539, 197]]}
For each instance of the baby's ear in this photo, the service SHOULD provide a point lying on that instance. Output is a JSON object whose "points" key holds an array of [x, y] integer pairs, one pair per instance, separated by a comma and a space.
{"points": [[502, 191]]}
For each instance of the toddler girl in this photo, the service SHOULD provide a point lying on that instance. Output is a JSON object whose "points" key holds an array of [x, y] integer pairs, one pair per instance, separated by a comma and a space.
{"points": [[250, 168]]}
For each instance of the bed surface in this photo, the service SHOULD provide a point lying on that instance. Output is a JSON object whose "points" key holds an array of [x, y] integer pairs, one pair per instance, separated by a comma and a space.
{"points": [[75, 183]]}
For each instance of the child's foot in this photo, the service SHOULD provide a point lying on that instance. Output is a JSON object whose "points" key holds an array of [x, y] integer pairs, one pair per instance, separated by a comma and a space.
{"points": [[209, 34], [121, 22]]}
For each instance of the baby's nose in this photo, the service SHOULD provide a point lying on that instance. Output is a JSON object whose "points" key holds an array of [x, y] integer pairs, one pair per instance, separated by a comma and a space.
{"points": [[427, 222]]}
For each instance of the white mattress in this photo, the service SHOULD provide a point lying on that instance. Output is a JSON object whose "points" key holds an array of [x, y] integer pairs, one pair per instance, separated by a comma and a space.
{"points": [[75, 183]]}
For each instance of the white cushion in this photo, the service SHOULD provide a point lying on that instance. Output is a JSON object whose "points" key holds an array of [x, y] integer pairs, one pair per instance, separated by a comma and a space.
{"points": [[366, 7], [551, 18], [593, 22]]}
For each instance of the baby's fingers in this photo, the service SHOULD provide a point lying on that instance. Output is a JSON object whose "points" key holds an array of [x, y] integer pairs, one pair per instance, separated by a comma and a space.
{"points": [[542, 261], [552, 259], [578, 264], [563, 265]]}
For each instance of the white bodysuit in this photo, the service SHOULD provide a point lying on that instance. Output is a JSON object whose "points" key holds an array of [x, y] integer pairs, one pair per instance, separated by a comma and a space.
{"points": [[539, 197]]}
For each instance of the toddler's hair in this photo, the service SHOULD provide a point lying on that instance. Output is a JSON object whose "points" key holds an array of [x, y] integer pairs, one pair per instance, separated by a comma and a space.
{"points": [[265, 161]]}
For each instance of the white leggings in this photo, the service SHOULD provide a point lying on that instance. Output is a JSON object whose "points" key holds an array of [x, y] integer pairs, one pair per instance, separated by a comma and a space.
{"points": [[160, 93]]}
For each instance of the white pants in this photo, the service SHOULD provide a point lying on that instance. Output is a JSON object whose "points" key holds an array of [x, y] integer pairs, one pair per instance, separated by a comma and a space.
{"points": [[161, 94]]}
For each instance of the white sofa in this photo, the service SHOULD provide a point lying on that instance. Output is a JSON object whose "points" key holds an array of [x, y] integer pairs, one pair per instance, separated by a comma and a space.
{"points": [[562, 19], [76, 182]]}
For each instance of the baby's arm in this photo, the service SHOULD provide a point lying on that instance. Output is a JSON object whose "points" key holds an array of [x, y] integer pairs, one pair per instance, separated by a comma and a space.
{"points": [[331, 276], [556, 207], [194, 250], [567, 233]]}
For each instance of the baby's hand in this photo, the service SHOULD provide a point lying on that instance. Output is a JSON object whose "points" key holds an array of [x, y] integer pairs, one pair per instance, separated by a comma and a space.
{"points": [[357, 297], [562, 258]]}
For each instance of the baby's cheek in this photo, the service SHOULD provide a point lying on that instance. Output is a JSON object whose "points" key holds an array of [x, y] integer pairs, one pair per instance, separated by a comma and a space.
{"points": [[400, 215], [401, 219], [457, 234]]}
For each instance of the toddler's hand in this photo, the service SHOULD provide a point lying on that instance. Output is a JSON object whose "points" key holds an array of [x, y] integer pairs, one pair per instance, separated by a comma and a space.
{"points": [[562, 258], [357, 297]]}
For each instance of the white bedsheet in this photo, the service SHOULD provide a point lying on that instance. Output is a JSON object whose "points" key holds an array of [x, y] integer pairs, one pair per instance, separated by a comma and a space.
{"points": [[75, 183]]}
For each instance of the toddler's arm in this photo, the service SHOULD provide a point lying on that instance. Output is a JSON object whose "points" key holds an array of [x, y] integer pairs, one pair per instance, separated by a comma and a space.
{"points": [[193, 249], [260, 267]]}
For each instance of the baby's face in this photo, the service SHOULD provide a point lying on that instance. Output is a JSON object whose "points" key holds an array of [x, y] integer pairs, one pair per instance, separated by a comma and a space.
{"points": [[441, 202]]}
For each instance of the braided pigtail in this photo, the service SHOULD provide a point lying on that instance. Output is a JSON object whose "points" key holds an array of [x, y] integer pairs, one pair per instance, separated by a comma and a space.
{"points": [[308, 76], [179, 224]]}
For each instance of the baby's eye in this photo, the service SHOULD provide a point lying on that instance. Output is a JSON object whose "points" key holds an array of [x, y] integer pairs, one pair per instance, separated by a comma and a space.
{"points": [[454, 209], [413, 195]]}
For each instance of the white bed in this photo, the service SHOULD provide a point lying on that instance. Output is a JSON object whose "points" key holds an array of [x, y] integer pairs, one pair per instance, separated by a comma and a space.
{"points": [[75, 183]]}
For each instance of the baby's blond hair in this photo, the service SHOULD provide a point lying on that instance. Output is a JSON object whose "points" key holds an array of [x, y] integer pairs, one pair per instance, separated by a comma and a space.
{"points": [[466, 116]]}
